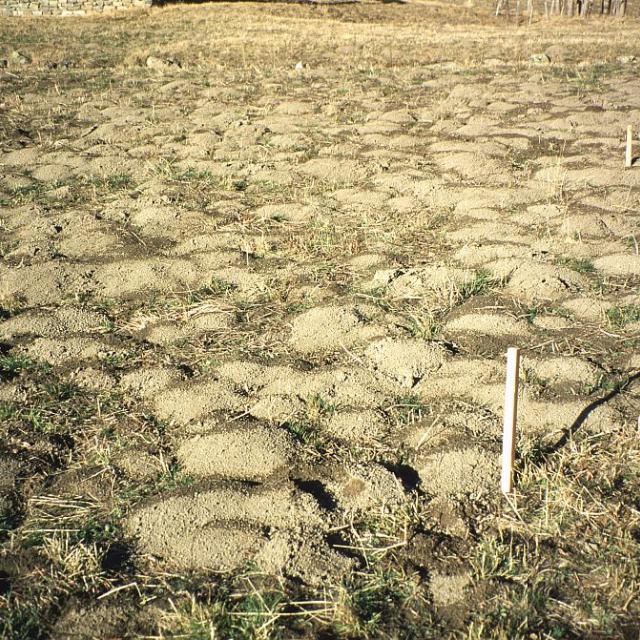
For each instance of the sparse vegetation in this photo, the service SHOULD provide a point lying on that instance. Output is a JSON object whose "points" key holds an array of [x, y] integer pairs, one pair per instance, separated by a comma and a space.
{"points": [[581, 265], [67, 192], [425, 327], [569, 495], [620, 316], [479, 285], [253, 316]]}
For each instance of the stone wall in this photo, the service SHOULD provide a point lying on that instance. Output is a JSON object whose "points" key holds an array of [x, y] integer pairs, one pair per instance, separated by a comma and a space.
{"points": [[66, 7]]}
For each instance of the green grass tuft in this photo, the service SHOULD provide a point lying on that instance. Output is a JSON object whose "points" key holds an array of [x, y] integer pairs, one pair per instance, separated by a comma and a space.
{"points": [[620, 316]]}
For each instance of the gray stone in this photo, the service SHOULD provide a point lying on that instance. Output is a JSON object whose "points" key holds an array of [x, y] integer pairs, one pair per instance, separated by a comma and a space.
{"points": [[158, 63], [18, 58], [66, 8], [557, 53], [540, 58]]}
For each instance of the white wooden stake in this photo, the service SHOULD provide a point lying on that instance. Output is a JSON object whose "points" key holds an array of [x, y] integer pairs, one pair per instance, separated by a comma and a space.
{"points": [[510, 418], [629, 155]]}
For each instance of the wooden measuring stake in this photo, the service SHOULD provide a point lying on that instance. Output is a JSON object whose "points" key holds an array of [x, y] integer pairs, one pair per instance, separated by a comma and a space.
{"points": [[628, 159], [510, 418]]}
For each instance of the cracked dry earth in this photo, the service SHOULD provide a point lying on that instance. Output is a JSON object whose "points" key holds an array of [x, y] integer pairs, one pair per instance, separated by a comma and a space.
{"points": [[306, 280]]}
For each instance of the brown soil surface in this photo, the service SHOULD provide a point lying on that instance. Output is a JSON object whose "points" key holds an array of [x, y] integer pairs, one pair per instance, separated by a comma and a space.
{"points": [[256, 306]]}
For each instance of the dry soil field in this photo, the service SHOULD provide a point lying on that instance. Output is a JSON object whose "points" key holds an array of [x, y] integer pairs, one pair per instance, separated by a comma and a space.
{"points": [[254, 316]]}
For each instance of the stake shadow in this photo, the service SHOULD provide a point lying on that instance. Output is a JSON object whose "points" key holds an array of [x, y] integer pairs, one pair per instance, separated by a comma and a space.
{"points": [[569, 432]]}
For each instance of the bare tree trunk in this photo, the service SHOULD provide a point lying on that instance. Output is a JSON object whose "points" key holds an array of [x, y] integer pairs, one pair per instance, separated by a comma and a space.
{"points": [[502, 4], [569, 8]]}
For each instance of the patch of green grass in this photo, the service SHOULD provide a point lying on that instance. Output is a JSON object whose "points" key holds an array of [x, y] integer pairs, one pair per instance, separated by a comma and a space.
{"points": [[581, 265], [171, 479], [606, 384], [257, 611], [321, 238], [305, 427], [534, 381], [407, 409], [104, 305], [216, 287], [13, 365], [559, 564], [384, 600], [54, 408], [52, 405], [195, 175], [114, 182], [305, 433], [27, 194], [619, 316], [495, 560], [9, 246], [592, 78], [423, 327], [66, 192], [531, 313], [377, 297], [196, 183], [250, 606], [246, 605], [132, 493], [521, 611], [7, 411], [299, 306], [69, 536], [101, 531], [117, 360], [21, 618], [585, 79], [480, 284], [317, 406]]}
